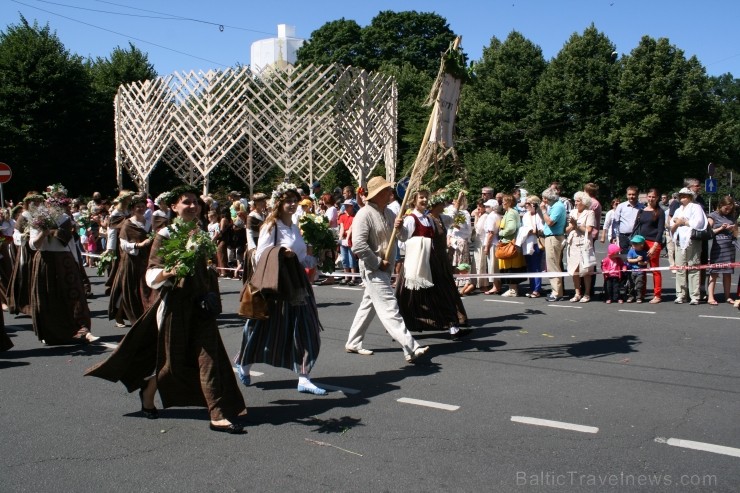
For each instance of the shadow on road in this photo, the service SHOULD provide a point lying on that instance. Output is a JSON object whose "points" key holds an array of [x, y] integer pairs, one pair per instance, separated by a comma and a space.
{"points": [[597, 348]]}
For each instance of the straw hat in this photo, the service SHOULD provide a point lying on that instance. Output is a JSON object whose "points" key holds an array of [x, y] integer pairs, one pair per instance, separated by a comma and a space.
{"points": [[377, 184]]}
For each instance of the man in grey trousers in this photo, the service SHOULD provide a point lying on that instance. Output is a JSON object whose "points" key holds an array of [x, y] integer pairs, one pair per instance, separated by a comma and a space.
{"points": [[371, 232]]}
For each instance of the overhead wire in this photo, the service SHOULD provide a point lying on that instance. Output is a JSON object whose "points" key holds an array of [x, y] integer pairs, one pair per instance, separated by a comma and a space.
{"points": [[123, 34]]}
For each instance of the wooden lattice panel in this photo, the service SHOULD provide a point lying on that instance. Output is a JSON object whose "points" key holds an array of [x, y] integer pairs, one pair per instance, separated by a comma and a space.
{"points": [[143, 114], [303, 120]]}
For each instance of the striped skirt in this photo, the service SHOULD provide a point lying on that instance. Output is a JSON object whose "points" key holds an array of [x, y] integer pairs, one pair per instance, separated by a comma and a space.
{"points": [[288, 339]]}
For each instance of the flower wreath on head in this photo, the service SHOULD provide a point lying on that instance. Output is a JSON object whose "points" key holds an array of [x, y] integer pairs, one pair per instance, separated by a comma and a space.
{"points": [[438, 198], [282, 189], [163, 197], [125, 194], [56, 188]]}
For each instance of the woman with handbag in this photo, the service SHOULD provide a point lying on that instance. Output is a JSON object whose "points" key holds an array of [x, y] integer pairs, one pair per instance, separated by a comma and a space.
{"points": [[724, 229], [289, 337], [650, 224], [581, 256], [687, 219], [510, 258]]}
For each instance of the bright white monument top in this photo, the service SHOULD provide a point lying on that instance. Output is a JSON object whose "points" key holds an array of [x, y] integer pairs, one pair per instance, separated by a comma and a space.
{"points": [[281, 50]]}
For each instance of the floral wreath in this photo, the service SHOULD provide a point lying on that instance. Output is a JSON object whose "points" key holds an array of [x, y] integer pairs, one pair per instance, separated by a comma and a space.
{"points": [[125, 194], [163, 197], [282, 189], [54, 189], [34, 197], [438, 198]]}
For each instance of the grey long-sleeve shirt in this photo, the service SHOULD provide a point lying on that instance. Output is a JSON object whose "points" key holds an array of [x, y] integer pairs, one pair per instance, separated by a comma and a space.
{"points": [[371, 230]]}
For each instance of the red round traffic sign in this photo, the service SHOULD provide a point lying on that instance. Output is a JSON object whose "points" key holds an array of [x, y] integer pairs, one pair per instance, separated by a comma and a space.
{"points": [[5, 173]]}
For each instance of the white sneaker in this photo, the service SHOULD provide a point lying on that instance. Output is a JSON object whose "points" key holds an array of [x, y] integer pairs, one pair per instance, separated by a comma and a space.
{"points": [[420, 351], [362, 351], [511, 293]]}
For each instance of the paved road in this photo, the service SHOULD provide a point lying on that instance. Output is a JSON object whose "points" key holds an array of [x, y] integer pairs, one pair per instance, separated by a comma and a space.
{"points": [[628, 387]]}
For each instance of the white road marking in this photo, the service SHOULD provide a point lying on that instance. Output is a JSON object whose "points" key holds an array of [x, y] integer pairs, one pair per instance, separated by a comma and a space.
{"points": [[506, 301], [704, 447], [716, 316], [436, 405], [554, 424], [566, 306], [350, 288], [252, 373], [637, 311], [345, 390]]}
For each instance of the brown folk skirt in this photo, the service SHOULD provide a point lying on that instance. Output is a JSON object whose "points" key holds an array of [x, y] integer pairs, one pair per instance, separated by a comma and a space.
{"points": [[58, 304]]}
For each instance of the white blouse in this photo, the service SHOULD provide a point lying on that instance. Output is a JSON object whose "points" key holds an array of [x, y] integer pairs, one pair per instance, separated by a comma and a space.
{"points": [[288, 237]]}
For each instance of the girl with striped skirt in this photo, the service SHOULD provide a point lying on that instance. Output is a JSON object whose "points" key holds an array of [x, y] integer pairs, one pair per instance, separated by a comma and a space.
{"points": [[289, 338]]}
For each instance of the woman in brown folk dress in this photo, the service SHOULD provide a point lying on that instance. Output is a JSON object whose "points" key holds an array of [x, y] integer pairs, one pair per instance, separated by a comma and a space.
{"points": [[175, 347], [118, 215], [130, 296], [19, 290], [58, 304]]}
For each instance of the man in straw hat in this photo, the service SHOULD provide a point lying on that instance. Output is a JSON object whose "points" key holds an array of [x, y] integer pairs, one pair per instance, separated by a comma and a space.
{"points": [[371, 232]]}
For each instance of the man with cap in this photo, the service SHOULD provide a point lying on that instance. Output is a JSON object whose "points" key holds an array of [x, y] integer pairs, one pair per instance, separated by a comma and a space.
{"points": [[371, 234]]}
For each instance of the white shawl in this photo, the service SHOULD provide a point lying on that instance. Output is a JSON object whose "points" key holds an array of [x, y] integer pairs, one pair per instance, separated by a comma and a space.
{"points": [[416, 270]]}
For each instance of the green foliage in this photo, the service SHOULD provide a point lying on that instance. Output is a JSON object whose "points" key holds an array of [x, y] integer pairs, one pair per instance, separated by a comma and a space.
{"points": [[43, 108], [186, 246]]}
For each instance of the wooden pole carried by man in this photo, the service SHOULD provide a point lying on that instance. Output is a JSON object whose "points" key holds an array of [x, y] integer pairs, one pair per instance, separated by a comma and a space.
{"points": [[438, 137]]}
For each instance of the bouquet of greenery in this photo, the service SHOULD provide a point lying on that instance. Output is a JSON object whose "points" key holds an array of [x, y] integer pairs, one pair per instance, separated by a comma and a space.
{"points": [[317, 233], [45, 217], [186, 246], [459, 220], [105, 261]]}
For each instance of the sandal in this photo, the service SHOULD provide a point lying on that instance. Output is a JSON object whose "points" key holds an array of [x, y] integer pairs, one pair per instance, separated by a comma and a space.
{"points": [[536, 294], [713, 302], [492, 291], [576, 298], [731, 301], [656, 299]]}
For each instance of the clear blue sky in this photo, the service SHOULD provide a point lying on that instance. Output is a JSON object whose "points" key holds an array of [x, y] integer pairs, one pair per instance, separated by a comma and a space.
{"points": [[705, 28]]}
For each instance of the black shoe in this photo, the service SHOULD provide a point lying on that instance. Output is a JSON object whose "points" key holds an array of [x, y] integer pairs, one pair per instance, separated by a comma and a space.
{"points": [[152, 413], [231, 429], [460, 334]]}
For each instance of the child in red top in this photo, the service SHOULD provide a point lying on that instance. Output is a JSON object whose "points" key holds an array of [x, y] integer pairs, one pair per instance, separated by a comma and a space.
{"points": [[612, 267], [349, 261]]}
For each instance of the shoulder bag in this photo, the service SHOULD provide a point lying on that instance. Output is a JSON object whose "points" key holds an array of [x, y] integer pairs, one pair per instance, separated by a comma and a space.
{"points": [[252, 302], [506, 250]]}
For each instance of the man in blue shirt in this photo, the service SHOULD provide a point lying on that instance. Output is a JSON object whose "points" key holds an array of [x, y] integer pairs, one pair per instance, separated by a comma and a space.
{"points": [[554, 218]]}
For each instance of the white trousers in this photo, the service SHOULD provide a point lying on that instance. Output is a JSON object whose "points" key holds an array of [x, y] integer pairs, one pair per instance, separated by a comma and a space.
{"points": [[379, 298]]}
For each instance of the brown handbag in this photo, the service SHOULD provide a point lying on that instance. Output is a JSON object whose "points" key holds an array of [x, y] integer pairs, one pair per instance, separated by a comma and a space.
{"points": [[506, 250], [252, 303]]}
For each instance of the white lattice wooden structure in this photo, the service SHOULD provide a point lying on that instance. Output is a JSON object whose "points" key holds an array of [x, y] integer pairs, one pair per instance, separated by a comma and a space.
{"points": [[303, 120]]}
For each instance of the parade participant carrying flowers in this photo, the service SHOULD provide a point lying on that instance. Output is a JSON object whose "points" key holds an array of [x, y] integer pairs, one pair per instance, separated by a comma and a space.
{"points": [[175, 347], [58, 305], [289, 338]]}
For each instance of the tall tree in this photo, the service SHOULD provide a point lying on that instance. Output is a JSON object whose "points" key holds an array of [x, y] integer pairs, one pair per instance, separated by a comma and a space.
{"points": [[495, 109], [43, 109], [667, 118], [418, 38], [573, 107], [337, 41]]}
